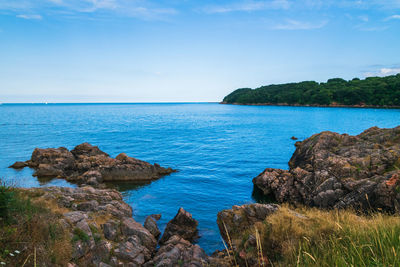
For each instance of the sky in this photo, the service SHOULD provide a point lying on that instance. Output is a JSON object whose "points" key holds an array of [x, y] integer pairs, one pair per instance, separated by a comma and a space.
{"points": [[187, 50]]}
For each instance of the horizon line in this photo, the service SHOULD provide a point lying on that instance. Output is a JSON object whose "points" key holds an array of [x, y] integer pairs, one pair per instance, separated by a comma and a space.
{"points": [[53, 103]]}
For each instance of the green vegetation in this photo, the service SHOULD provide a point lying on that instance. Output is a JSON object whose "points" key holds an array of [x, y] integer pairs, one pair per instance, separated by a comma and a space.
{"points": [[373, 91], [29, 232], [312, 237]]}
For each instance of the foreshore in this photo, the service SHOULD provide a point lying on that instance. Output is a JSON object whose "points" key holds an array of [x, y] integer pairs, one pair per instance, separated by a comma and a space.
{"points": [[340, 192]]}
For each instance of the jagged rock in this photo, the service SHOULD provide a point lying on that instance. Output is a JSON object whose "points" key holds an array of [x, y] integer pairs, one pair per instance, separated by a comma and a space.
{"points": [[87, 164], [177, 251], [331, 170], [182, 225], [235, 221], [151, 225], [100, 236], [133, 251], [130, 227]]}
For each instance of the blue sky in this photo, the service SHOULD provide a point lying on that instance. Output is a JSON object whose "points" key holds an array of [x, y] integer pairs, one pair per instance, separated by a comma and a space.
{"points": [[171, 50]]}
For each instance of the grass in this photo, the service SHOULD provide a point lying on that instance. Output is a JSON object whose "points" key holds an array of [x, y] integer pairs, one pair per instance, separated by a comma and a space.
{"points": [[312, 237], [30, 234]]}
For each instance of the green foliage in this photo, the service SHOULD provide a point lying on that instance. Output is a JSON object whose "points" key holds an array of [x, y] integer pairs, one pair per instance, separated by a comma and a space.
{"points": [[6, 199], [80, 235], [27, 226], [373, 91]]}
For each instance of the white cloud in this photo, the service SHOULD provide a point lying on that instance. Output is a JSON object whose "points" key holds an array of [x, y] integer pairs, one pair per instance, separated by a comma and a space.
{"points": [[389, 71], [383, 72], [127, 8], [392, 17], [34, 17], [247, 6], [364, 18], [299, 25]]}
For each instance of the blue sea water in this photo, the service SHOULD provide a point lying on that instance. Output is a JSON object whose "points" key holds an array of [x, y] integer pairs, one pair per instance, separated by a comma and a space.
{"points": [[217, 149]]}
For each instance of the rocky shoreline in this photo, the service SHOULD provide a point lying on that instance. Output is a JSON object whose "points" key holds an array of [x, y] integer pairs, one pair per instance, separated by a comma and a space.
{"points": [[331, 170], [311, 105], [103, 232], [327, 170]]}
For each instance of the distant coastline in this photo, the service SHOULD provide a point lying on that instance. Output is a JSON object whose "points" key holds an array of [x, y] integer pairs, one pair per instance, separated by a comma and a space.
{"points": [[310, 105], [372, 92]]}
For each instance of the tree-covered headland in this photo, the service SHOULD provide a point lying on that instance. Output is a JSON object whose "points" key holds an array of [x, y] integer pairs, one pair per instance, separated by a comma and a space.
{"points": [[372, 91]]}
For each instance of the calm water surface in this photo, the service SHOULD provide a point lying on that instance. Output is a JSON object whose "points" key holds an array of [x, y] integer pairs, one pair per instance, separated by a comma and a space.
{"points": [[217, 148]]}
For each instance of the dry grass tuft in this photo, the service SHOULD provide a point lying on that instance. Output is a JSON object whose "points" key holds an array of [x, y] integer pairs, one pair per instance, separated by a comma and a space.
{"points": [[30, 233]]}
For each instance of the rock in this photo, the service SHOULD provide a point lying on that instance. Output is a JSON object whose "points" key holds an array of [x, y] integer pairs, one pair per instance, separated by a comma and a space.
{"points": [[294, 138], [18, 165], [86, 149], [60, 160], [47, 171], [75, 216], [177, 251], [133, 251], [91, 175], [331, 170], [129, 227], [110, 230], [87, 164], [156, 216], [235, 221], [151, 225], [182, 225], [103, 233], [88, 206]]}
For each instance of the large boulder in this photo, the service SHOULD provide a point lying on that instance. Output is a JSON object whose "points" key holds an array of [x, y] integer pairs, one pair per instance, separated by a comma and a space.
{"points": [[182, 225], [130, 227], [88, 165], [232, 223], [237, 227], [331, 170], [177, 251]]}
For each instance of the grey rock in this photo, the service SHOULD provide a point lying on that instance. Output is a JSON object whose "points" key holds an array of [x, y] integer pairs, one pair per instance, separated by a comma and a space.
{"points": [[130, 227], [182, 225], [75, 216], [110, 230], [151, 225], [88, 206], [331, 170]]}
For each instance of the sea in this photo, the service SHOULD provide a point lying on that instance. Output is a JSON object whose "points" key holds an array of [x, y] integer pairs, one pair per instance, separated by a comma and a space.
{"points": [[218, 149]]}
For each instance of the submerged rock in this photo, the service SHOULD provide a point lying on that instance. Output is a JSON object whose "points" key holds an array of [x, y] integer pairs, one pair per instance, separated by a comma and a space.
{"points": [[87, 164], [331, 170]]}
